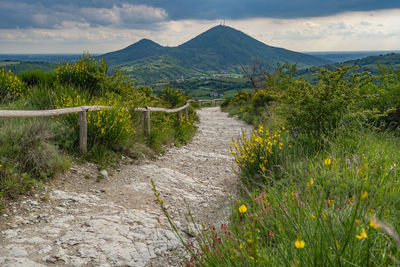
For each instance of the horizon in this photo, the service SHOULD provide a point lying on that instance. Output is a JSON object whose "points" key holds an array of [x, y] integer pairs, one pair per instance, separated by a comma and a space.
{"points": [[305, 52], [98, 27]]}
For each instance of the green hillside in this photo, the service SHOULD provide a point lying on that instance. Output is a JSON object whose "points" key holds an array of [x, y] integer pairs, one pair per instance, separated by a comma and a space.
{"points": [[370, 64], [22, 66], [220, 50]]}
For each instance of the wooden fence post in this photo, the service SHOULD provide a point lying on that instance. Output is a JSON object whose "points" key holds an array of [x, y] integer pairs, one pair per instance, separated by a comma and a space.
{"points": [[187, 112], [147, 122], [179, 115], [82, 132]]}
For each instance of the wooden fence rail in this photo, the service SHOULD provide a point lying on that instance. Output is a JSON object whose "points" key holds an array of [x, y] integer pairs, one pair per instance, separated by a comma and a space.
{"points": [[83, 120]]}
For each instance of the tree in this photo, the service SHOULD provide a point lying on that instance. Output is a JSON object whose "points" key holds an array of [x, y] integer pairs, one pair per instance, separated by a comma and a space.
{"points": [[255, 72]]}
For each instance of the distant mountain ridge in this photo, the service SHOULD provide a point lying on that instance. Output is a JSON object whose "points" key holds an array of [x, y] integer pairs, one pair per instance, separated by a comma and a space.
{"points": [[221, 49]]}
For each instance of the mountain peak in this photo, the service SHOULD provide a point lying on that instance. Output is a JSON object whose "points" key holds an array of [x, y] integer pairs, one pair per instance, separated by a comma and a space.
{"points": [[220, 35], [144, 44]]}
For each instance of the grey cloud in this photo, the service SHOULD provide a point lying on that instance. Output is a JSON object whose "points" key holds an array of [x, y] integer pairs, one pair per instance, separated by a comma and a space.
{"points": [[51, 14], [143, 13]]}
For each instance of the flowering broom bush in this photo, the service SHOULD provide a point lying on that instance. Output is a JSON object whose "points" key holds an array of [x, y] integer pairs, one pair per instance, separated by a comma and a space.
{"points": [[254, 155], [10, 85], [88, 73], [109, 127]]}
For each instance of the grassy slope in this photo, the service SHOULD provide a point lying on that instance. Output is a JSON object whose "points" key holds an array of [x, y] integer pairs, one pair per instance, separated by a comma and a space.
{"points": [[22, 66]]}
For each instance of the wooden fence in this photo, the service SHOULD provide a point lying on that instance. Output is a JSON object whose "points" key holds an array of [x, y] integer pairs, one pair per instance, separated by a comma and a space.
{"points": [[84, 109]]}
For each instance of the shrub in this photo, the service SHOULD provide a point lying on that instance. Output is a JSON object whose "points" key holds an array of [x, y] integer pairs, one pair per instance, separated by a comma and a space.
{"points": [[242, 97], [162, 130], [87, 73], [38, 77], [227, 101], [254, 155], [316, 110], [185, 130], [261, 98], [111, 128], [27, 155], [173, 97], [385, 98], [11, 86]]}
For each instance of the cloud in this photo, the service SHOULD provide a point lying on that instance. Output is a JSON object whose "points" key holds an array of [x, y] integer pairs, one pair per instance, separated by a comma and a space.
{"points": [[99, 26], [244, 9], [37, 15], [124, 15], [130, 13]]}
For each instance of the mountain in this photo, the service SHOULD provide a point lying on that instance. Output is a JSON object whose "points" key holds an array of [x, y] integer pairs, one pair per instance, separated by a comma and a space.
{"points": [[143, 48], [235, 47], [220, 50]]}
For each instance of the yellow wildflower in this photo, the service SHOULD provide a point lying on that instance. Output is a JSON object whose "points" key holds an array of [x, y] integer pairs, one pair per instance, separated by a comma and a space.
{"points": [[327, 161], [364, 195], [374, 224], [299, 244], [371, 211], [313, 216], [242, 209], [357, 222], [362, 235], [311, 182]]}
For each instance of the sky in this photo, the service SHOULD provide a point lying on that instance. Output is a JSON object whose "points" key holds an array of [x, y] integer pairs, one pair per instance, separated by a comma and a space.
{"points": [[100, 26]]}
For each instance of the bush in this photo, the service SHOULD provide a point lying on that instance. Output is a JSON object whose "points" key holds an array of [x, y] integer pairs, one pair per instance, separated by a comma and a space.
{"points": [[27, 155], [316, 110], [261, 98], [185, 130], [111, 128], [11, 86], [38, 77], [384, 98], [242, 97], [255, 155], [173, 97], [90, 75], [227, 101]]}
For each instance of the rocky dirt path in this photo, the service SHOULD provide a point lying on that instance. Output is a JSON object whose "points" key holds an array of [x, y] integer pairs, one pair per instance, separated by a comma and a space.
{"points": [[117, 222]]}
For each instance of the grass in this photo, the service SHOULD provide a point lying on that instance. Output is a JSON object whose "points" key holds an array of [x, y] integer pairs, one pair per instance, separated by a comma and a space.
{"points": [[311, 208], [308, 200]]}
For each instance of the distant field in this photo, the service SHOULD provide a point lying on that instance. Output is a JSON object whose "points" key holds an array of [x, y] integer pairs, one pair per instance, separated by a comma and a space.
{"points": [[8, 63], [54, 58], [22, 66], [207, 87]]}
